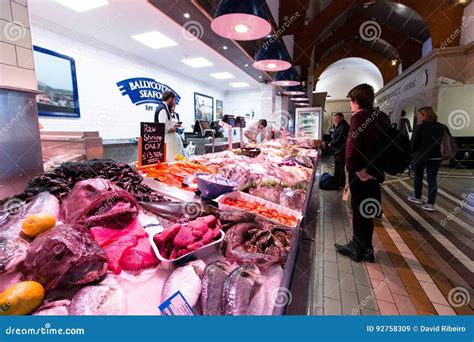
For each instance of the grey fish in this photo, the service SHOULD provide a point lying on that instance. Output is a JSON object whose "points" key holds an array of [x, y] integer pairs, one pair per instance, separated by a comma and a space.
{"points": [[187, 280], [13, 249], [230, 218], [181, 212], [212, 286], [55, 308], [243, 292], [106, 298]]}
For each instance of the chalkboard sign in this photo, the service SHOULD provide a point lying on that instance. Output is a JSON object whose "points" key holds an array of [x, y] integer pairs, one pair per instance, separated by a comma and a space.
{"points": [[152, 143]]}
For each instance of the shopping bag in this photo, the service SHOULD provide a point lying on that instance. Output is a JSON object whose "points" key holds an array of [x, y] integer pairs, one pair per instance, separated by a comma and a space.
{"points": [[346, 197]]}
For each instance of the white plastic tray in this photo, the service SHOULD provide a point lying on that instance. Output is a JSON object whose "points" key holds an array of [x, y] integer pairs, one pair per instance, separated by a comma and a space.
{"points": [[203, 252], [236, 195]]}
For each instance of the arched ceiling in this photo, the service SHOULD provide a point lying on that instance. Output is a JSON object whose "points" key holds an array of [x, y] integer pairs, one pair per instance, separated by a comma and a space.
{"points": [[351, 49], [343, 75], [414, 21], [321, 29]]}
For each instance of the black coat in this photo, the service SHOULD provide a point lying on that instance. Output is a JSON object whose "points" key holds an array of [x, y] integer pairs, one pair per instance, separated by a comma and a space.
{"points": [[426, 141], [339, 138]]}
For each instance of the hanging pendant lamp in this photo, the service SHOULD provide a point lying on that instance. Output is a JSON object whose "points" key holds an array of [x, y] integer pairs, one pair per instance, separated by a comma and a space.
{"points": [[241, 20], [294, 91], [272, 57], [287, 78]]}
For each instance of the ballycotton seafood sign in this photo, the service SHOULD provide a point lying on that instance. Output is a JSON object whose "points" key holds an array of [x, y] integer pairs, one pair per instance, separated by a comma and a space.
{"points": [[143, 90]]}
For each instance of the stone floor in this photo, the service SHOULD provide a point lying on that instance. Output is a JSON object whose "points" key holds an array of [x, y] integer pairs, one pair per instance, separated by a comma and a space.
{"points": [[424, 260]]}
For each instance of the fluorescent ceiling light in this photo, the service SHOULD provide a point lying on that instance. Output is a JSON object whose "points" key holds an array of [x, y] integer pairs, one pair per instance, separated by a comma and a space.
{"points": [[154, 39], [199, 62], [239, 84], [83, 5], [222, 75]]}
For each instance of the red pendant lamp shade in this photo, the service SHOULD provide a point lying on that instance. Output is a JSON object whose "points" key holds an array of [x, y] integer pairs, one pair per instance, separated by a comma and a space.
{"points": [[290, 91], [287, 78], [272, 56], [241, 20]]}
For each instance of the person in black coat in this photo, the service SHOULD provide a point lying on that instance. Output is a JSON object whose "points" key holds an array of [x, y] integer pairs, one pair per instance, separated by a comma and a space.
{"points": [[338, 145], [426, 153], [404, 125]]}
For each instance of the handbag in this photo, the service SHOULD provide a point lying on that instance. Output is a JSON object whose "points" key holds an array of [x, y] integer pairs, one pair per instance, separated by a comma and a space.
{"points": [[448, 146]]}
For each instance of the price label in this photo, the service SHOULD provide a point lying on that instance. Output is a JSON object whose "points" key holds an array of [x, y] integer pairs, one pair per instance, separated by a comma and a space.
{"points": [[152, 142], [176, 305]]}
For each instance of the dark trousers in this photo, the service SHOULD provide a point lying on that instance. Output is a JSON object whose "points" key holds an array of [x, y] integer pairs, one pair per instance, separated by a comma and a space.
{"points": [[432, 168], [365, 200], [339, 173]]}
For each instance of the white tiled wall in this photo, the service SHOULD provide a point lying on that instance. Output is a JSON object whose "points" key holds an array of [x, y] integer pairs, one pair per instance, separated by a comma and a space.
{"points": [[102, 106], [243, 102], [264, 103], [16, 65]]}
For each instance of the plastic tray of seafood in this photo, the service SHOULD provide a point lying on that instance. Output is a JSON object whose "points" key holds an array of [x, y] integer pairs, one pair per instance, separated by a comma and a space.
{"points": [[268, 210]]}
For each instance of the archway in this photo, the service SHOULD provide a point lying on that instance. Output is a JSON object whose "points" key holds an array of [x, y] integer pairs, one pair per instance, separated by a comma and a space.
{"points": [[341, 76]]}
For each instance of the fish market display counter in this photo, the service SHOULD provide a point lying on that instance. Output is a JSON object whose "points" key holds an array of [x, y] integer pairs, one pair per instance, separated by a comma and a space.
{"points": [[99, 238], [282, 279]]}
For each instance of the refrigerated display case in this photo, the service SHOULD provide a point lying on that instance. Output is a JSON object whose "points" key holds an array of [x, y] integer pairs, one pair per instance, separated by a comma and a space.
{"points": [[309, 122]]}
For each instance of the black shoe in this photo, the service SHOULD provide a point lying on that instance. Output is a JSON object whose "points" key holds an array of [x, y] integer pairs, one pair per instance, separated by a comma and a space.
{"points": [[355, 254], [369, 255]]}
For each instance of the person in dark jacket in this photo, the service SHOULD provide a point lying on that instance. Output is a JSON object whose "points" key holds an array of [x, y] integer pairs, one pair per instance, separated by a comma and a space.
{"points": [[404, 125], [338, 145], [426, 153], [366, 141]]}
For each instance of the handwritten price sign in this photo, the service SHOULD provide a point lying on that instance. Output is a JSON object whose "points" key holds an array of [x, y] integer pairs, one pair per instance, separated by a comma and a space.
{"points": [[152, 143]]}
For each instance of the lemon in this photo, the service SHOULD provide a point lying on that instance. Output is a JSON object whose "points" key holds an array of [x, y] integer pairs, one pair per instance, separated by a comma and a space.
{"points": [[35, 224], [21, 298]]}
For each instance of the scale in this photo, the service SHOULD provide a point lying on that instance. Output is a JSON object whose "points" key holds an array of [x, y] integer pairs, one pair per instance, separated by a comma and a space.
{"points": [[231, 121]]}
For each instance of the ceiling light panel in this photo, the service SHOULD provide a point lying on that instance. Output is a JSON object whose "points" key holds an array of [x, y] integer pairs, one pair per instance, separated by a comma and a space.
{"points": [[154, 39], [198, 62], [222, 75], [239, 84], [82, 5]]}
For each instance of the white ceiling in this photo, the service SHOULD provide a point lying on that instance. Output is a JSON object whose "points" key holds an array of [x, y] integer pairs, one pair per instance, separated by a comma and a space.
{"points": [[343, 75], [115, 23]]}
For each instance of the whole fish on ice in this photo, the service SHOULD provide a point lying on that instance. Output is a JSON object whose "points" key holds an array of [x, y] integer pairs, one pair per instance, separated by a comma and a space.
{"points": [[106, 298], [13, 249], [243, 292], [186, 279], [212, 286]]}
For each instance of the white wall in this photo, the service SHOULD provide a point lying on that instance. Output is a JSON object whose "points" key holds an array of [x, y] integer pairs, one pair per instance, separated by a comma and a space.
{"points": [[467, 34], [16, 57], [242, 103], [102, 106], [456, 109], [426, 48]]}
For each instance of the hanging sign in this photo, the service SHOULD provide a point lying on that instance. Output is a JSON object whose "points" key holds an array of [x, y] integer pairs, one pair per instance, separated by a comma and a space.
{"points": [[151, 144], [143, 90]]}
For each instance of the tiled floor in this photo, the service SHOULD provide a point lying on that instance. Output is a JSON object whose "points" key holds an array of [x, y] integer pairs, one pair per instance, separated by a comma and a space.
{"points": [[424, 261]]}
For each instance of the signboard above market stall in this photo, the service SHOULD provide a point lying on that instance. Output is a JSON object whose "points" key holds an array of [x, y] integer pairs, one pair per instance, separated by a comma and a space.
{"points": [[142, 90]]}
